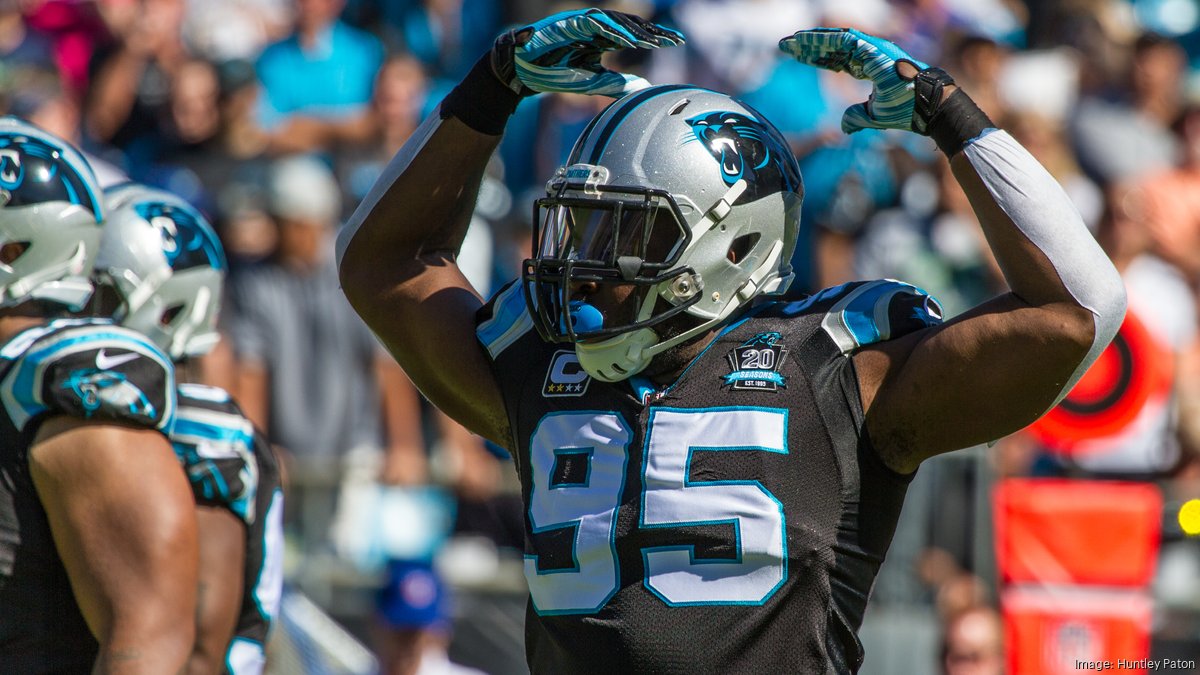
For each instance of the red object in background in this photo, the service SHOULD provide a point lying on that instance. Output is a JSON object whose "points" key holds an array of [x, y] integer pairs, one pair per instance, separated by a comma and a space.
{"points": [[1077, 532], [1132, 370], [76, 28], [1055, 631], [1075, 559]]}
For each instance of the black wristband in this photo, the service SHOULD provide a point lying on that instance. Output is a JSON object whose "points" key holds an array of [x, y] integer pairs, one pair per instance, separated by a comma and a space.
{"points": [[481, 101], [956, 122]]}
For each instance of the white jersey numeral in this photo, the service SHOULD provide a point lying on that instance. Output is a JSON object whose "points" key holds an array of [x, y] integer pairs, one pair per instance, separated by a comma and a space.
{"points": [[670, 499], [602, 441], [597, 443]]}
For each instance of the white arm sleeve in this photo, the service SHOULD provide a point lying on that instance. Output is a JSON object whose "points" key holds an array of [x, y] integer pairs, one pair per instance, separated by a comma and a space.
{"points": [[1041, 210]]}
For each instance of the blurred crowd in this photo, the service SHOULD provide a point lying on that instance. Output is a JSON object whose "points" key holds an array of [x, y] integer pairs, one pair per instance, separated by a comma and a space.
{"points": [[274, 117]]}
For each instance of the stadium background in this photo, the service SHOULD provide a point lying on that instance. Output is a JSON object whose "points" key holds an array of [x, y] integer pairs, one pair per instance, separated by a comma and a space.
{"points": [[275, 116]]}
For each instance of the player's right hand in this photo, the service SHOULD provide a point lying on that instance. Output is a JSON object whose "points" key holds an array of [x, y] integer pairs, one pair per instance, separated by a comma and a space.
{"points": [[561, 53]]}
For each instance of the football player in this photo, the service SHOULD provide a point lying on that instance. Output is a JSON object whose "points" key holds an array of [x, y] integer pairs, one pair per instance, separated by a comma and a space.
{"points": [[160, 270], [711, 479], [97, 529]]}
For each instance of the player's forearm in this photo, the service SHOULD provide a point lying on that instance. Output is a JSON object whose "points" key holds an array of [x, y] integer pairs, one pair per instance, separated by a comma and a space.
{"points": [[147, 654], [219, 591]]}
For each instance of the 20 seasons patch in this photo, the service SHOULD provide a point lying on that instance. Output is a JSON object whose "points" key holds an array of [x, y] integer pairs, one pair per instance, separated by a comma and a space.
{"points": [[756, 363]]}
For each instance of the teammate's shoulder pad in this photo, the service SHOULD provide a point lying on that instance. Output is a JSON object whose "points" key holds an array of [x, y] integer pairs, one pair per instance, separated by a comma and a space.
{"points": [[215, 443], [207, 396], [866, 312], [91, 370]]}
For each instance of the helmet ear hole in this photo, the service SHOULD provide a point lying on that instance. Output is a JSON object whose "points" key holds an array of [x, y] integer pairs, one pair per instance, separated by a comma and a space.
{"points": [[741, 247], [12, 250], [169, 315]]}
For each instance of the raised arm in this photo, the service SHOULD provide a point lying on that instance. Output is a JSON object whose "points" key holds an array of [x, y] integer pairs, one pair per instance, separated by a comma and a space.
{"points": [[124, 525], [397, 254], [999, 366]]}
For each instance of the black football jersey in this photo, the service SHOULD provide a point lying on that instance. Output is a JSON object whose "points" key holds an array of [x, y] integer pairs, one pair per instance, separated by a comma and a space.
{"points": [[89, 369], [231, 465], [732, 522]]}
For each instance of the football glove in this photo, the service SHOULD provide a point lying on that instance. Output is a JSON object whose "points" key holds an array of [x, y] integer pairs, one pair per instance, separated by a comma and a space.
{"points": [[866, 57], [561, 53]]}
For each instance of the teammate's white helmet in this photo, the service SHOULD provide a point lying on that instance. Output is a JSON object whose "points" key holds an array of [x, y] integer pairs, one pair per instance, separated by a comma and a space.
{"points": [[50, 216], [682, 195], [166, 266]]}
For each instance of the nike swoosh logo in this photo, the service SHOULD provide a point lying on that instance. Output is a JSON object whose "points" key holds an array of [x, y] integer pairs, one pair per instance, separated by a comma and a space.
{"points": [[106, 362]]}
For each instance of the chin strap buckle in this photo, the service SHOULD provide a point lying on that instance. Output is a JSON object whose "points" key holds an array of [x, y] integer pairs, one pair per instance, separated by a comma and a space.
{"points": [[717, 212]]}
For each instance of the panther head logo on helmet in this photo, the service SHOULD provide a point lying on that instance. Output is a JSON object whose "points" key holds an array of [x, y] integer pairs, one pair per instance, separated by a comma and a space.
{"points": [[747, 150]]}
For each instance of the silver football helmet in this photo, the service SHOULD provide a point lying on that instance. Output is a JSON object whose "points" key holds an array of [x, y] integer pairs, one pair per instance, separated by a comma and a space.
{"points": [[50, 216], [166, 267], [685, 200]]}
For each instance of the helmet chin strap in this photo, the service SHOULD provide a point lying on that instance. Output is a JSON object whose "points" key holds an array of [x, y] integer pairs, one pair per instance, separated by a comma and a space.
{"points": [[717, 212]]}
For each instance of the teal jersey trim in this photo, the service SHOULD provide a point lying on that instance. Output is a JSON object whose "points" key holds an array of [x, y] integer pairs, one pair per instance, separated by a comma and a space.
{"points": [[510, 320], [864, 315]]}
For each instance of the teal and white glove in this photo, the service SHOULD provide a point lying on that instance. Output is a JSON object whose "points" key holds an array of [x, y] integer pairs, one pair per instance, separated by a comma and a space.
{"points": [[866, 57], [561, 53]]}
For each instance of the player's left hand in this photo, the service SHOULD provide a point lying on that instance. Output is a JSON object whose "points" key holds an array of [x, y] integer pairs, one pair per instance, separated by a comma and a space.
{"points": [[866, 57], [561, 53]]}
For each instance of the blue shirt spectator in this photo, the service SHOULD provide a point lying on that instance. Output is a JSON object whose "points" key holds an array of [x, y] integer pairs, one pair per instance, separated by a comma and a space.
{"points": [[324, 69], [446, 36]]}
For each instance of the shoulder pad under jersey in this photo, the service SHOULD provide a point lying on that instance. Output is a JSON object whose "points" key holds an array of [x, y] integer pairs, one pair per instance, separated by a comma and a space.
{"points": [[862, 313], [89, 369], [215, 443]]}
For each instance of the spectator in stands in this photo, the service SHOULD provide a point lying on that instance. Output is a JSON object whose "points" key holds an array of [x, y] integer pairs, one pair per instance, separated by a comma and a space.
{"points": [[933, 239], [310, 373], [976, 62], [399, 104], [37, 95], [1122, 134], [307, 364], [412, 626], [229, 30], [727, 48], [1122, 419], [973, 643], [324, 70], [443, 34], [131, 81], [1172, 200], [73, 29], [20, 44]]}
